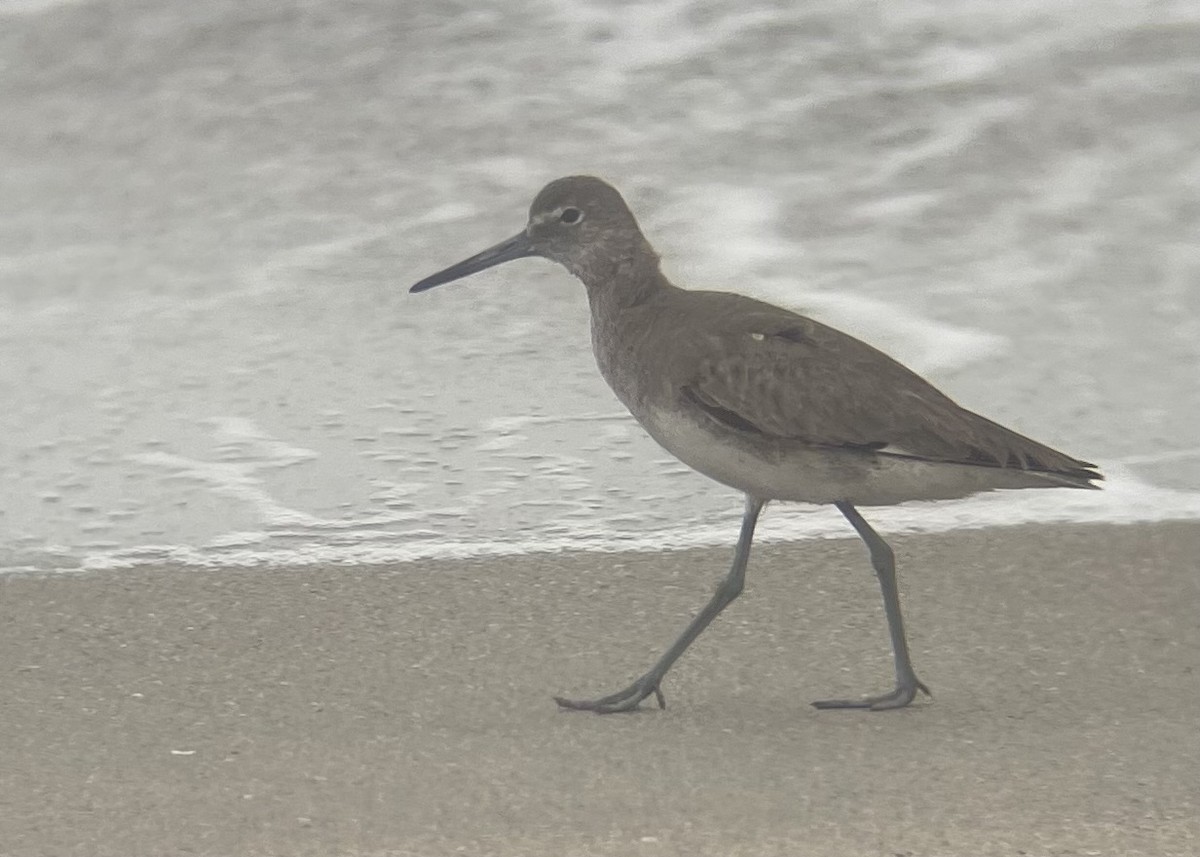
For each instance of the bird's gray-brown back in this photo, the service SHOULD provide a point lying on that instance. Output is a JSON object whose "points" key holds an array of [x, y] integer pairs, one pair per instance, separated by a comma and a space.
{"points": [[760, 369]]}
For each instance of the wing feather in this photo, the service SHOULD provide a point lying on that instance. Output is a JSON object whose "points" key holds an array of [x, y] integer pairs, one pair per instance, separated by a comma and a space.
{"points": [[787, 376]]}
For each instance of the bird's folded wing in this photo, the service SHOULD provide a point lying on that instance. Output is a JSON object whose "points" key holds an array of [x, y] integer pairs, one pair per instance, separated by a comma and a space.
{"points": [[807, 382]]}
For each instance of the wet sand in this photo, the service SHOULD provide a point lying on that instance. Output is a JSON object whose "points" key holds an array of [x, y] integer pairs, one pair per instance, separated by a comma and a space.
{"points": [[406, 710]]}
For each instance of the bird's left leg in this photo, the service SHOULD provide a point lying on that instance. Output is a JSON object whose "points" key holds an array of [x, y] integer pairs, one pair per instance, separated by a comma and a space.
{"points": [[729, 589]]}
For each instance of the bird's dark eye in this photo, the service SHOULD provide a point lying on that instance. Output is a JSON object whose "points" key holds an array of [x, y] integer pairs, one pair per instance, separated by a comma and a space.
{"points": [[571, 216]]}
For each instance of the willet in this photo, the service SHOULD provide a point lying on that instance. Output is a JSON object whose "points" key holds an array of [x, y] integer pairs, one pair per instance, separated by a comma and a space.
{"points": [[766, 401]]}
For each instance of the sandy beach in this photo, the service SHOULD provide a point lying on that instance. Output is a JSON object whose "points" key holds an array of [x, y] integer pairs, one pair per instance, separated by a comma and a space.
{"points": [[406, 710]]}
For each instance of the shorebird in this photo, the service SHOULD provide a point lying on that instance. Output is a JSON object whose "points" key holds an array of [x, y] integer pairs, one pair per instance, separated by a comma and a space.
{"points": [[766, 401]]}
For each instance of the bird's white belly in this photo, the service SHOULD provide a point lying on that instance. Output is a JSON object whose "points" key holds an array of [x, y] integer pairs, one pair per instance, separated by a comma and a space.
{"points": [[774, 469]]}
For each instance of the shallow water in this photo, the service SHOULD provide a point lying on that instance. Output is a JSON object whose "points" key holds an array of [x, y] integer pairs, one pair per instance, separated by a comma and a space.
{"points": [[210, 214]]}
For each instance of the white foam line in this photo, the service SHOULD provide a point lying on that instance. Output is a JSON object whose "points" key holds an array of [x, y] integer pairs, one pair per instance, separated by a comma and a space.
{"points": [[276, 272], [1161, 457], [34, 7], [513, 423], [950, 138], [234, 430], [1126, 501], [238, 479], [924, 345], [732, 229], [645, 35], [231, 480], [742, 222], [447, 212]]}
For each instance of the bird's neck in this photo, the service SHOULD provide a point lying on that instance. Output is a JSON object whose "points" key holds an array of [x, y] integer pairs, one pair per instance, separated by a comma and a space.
{"points": [[616, 283]]}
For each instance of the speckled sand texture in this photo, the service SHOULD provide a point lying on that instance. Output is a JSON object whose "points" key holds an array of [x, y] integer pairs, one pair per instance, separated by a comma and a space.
{"points": [[407, 710]]}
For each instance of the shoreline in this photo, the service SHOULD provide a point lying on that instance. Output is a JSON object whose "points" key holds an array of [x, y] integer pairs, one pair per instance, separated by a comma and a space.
{"points": [[407, 709]]}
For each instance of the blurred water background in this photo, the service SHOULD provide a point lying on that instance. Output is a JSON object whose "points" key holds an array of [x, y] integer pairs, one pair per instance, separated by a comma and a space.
{"points": [[210, 214]]}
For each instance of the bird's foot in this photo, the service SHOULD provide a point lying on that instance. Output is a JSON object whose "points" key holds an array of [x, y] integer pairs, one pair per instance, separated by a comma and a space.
{"points": [[623, 700], [902, 695]]}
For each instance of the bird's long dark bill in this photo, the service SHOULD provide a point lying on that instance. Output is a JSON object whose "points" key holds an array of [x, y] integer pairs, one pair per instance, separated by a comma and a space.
{"points": [[517, 247]]}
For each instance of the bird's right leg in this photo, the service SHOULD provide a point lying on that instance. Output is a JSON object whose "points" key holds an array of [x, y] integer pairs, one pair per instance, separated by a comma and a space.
{"points": [[729, 589], [883, 560]]}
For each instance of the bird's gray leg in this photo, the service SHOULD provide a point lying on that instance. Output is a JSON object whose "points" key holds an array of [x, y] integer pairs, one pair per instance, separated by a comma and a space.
{"points": [[729, 589], [884, 562]]}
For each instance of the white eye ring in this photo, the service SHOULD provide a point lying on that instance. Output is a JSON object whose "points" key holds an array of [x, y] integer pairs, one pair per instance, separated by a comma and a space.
{"points": [[570, 216]]}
